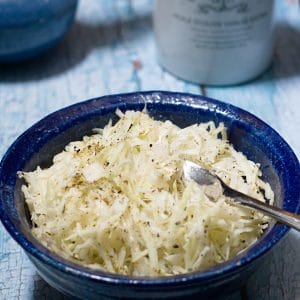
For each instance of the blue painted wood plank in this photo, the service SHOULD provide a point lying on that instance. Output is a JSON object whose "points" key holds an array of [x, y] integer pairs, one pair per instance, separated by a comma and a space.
{"points": [[279, 276]]}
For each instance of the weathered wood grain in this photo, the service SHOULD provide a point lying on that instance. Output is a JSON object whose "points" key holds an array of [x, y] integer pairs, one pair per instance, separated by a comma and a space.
{"points": [[111, 49]]}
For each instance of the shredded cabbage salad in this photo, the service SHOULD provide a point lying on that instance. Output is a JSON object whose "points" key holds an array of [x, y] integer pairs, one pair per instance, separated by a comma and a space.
{"points": [[116, 200]]}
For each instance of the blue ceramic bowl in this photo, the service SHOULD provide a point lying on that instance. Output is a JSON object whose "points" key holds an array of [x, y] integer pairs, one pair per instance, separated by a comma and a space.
{"points": [[30, 27], [43, 140]]}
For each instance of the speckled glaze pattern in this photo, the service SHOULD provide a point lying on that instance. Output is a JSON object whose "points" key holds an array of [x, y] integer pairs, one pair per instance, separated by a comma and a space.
{"points": [[49, 136], [30, 27]]}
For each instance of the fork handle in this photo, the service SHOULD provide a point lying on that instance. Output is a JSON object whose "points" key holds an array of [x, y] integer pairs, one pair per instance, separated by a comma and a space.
{"points": [[279, 214]]}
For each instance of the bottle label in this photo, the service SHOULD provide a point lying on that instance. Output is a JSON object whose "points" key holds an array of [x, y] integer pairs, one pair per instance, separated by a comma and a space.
{"points": [[222, 24]]}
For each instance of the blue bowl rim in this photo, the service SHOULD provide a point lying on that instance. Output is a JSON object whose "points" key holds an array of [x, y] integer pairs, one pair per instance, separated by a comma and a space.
{"points": [[234, 265]]}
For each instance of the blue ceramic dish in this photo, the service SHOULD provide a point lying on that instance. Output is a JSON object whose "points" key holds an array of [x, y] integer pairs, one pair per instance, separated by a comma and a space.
{"points": [[43, 140], [30, 27]]}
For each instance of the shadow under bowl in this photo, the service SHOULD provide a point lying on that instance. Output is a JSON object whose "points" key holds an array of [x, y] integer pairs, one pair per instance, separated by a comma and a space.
{"points": [[42, 141]]}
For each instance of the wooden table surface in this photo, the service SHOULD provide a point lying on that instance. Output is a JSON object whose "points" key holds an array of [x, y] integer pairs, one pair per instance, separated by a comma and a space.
{"points": [[110, 49]]}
